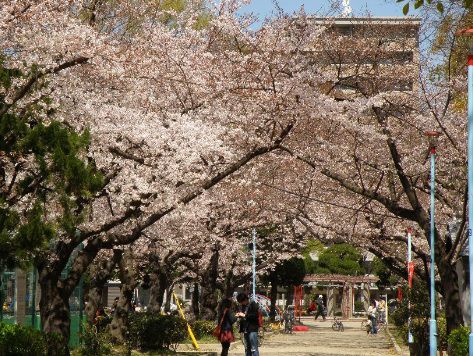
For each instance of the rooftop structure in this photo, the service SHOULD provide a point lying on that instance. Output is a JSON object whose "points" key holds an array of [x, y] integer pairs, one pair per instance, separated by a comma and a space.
{"points": [[367, 55]]}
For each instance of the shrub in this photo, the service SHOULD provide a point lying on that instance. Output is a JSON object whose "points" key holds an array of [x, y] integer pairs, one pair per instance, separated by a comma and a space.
{"points": [[442, 333], [18, 340], [458, 341], [420, 314], [94, 342], [155, 332], [56, 346], [203, 328]]}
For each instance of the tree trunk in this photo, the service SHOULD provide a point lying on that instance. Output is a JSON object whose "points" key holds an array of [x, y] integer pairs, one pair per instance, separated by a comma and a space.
{"points": [[195, 301], [93, 298], [451, 292], [54, 307], [208, 294], [228, 285], [208, 303], [448, 278], [119, 323], [273, 297], [100, 273], [159, 283], [167, 303]]}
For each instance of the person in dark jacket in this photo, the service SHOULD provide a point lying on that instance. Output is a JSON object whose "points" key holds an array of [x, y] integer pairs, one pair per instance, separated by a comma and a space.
{"points": [[249, 323], [320, 307], [225, 312]]}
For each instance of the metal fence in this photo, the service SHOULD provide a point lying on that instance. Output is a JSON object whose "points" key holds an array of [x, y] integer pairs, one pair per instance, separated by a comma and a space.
{"points": [[13, 294]]}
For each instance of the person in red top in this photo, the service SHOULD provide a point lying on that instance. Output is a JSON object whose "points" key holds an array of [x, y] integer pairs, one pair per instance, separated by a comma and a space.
{"points": [[227, 318], [312, 308]]}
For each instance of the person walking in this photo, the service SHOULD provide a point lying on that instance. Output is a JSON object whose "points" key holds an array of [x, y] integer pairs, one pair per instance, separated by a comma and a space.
{"points": [[320, 307], [226, 320], [372, 315], [382, 311], [249, 323]]}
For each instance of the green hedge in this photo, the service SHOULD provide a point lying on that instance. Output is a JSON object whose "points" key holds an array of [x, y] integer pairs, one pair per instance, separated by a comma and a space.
{"points": [[458, 341], [150, 331], [18, 340], [203, 328], [94, 342]]}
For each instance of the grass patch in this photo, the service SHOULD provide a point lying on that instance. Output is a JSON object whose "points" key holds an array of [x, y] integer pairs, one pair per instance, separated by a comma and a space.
{"points": [[122, 351], [206, 339]]}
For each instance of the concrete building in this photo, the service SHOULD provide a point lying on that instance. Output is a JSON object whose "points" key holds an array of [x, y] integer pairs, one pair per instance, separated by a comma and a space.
{"points": [[367, 55]]}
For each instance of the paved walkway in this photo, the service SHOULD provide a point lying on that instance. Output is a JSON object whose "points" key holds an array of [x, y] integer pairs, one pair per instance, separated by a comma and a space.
{"points": [[320, 340]]}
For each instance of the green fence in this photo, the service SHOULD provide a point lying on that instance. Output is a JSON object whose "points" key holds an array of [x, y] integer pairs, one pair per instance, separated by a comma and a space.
{"points": [[8, 298]]}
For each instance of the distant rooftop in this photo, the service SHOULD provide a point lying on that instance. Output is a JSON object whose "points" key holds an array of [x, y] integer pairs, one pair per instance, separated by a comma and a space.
{"points": [[340, 278], [378, 20]]}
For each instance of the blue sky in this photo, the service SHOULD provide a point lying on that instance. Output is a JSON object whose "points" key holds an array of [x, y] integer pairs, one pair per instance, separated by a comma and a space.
{"points": [[263, 8]]}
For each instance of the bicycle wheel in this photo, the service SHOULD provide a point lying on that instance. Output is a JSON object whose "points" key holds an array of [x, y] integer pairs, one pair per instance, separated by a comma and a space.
{"points": [[363, 325], [335, 327], [341, 327]]}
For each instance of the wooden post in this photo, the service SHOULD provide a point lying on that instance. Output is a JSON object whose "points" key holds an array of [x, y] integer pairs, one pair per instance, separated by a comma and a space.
{"points": [[330, 297], [366, 295], [350, 299]]}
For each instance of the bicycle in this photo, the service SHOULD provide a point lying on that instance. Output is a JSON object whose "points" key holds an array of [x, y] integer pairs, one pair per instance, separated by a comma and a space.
{"points": [[337, 325], [288, 326], [289, 319]]}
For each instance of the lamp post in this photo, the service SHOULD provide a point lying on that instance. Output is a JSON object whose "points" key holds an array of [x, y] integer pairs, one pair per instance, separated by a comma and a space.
{"points": [[432, 136], [410, 271], [468, 35], [254, 264]]}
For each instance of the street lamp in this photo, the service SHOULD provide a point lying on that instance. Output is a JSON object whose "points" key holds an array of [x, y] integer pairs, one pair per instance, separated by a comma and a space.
{"points": [[433, 137], [254, 263], [468, 35], [410, 272]]}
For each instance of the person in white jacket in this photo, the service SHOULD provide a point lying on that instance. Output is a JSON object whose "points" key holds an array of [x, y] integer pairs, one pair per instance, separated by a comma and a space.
{"points": [[372, 315]]}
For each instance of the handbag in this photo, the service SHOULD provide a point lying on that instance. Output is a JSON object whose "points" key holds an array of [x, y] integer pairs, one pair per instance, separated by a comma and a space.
{"points": [[218, 328], [227, 336]]}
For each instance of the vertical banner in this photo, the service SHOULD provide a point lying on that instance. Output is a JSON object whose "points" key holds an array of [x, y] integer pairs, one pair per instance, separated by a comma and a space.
{"points": [[410, 273]]}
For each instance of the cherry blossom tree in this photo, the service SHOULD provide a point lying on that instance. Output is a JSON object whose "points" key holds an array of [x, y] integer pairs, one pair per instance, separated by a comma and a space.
{"points": [[363, 177], [172, 112]]}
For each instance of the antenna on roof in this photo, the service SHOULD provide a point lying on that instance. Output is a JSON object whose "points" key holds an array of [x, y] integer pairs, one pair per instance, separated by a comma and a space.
{"points": [[346, 8]]}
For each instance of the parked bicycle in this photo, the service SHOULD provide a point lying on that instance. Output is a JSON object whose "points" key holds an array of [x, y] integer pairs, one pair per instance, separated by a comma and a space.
{"points": [[289, 319], [337, 325]]}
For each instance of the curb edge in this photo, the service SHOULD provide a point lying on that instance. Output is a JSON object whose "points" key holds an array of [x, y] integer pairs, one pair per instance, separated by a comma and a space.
{"points": [[393, 341]]}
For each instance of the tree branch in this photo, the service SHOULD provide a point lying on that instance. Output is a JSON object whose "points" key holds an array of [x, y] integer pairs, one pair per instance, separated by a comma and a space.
{"points": [[21, 92]]}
